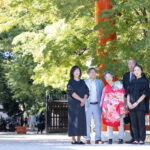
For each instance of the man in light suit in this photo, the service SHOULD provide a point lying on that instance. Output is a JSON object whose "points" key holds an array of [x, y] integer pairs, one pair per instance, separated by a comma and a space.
{"points": [[92, 105]]}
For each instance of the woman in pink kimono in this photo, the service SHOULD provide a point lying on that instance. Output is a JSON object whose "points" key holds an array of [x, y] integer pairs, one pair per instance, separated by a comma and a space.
{"points": [[113, 106]]}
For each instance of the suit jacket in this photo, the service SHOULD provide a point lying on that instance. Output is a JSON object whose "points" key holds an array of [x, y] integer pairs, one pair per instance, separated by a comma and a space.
{"points": [[126, 82], [99, 89]]}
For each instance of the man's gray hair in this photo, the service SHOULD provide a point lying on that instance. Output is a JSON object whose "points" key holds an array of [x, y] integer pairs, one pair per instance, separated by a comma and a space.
{"points": [[91, 68], [132, 60]]}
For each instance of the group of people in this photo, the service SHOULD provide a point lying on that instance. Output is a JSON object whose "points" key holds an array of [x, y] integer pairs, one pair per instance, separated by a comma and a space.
{"points": [[117, 102], [39, 121]]}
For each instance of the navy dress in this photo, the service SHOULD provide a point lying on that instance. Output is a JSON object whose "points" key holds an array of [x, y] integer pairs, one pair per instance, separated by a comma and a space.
{"points": [[76, 113]]}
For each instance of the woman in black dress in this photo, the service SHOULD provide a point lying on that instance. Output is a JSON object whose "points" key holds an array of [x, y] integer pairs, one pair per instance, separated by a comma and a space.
{"points": [[77, 94], [138, 102]]}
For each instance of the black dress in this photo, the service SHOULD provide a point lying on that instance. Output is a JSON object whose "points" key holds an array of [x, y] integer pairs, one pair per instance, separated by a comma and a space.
{"points": [[76, 113], [137, 88]]}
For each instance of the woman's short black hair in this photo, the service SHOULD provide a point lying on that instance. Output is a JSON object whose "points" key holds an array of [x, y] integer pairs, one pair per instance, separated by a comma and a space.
{"points": [[139, 66], [73, 70]]}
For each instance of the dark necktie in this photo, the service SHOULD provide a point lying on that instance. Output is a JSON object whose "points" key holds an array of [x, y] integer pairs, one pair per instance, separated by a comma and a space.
{"points": [[132, 77]]}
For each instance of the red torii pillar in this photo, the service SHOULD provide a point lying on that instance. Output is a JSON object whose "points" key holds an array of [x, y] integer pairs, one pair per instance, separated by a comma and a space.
{"points": [[101, 5]]}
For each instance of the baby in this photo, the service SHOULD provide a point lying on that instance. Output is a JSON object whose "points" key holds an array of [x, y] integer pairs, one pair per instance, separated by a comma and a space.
{"points": [[117, 86]]}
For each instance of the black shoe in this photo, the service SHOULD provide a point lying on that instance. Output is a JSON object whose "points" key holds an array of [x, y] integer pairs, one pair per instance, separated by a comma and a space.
{"points": [[135, 142], [110, 141], [99, 142], [141, 142], [80, 142], [120, 141], [130, 142], [74, 142]]}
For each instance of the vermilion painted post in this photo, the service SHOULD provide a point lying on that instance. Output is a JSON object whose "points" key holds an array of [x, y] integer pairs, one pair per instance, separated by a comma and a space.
{"points": [[101, 5]]}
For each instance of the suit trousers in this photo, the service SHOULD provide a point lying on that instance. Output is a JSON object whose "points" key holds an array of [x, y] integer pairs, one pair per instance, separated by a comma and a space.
{"points": [[138, 124], [93, 110]]}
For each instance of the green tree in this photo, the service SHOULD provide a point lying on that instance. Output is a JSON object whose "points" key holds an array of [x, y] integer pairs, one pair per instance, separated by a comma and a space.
{"points": [[48, 37]]}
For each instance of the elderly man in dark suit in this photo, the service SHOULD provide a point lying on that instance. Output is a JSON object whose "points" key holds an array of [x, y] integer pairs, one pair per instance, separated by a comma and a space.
{"points": [[127, 79]]}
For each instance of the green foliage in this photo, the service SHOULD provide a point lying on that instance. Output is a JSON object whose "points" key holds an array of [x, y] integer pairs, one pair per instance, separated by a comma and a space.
{"points": [[56, 34], [48, 37]]}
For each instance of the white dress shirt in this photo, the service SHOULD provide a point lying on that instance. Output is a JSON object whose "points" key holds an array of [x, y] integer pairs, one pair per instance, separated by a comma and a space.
{"points": [[93, 91]]}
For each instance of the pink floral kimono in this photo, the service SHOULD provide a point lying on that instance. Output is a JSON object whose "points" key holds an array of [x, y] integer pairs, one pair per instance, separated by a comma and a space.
{"points": [[112, 104]]}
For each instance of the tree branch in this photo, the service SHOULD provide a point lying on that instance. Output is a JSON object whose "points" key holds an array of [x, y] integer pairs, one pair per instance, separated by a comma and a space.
{"points": [[146, 20], [144, 14], [81, 51]]}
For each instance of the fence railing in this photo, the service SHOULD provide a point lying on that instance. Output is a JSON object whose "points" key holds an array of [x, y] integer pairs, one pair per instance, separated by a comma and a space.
{"points": [[57, 113]]}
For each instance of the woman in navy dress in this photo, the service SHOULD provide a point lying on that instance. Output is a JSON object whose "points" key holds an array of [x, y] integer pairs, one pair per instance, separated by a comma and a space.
{"points": [[77, 94]]}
